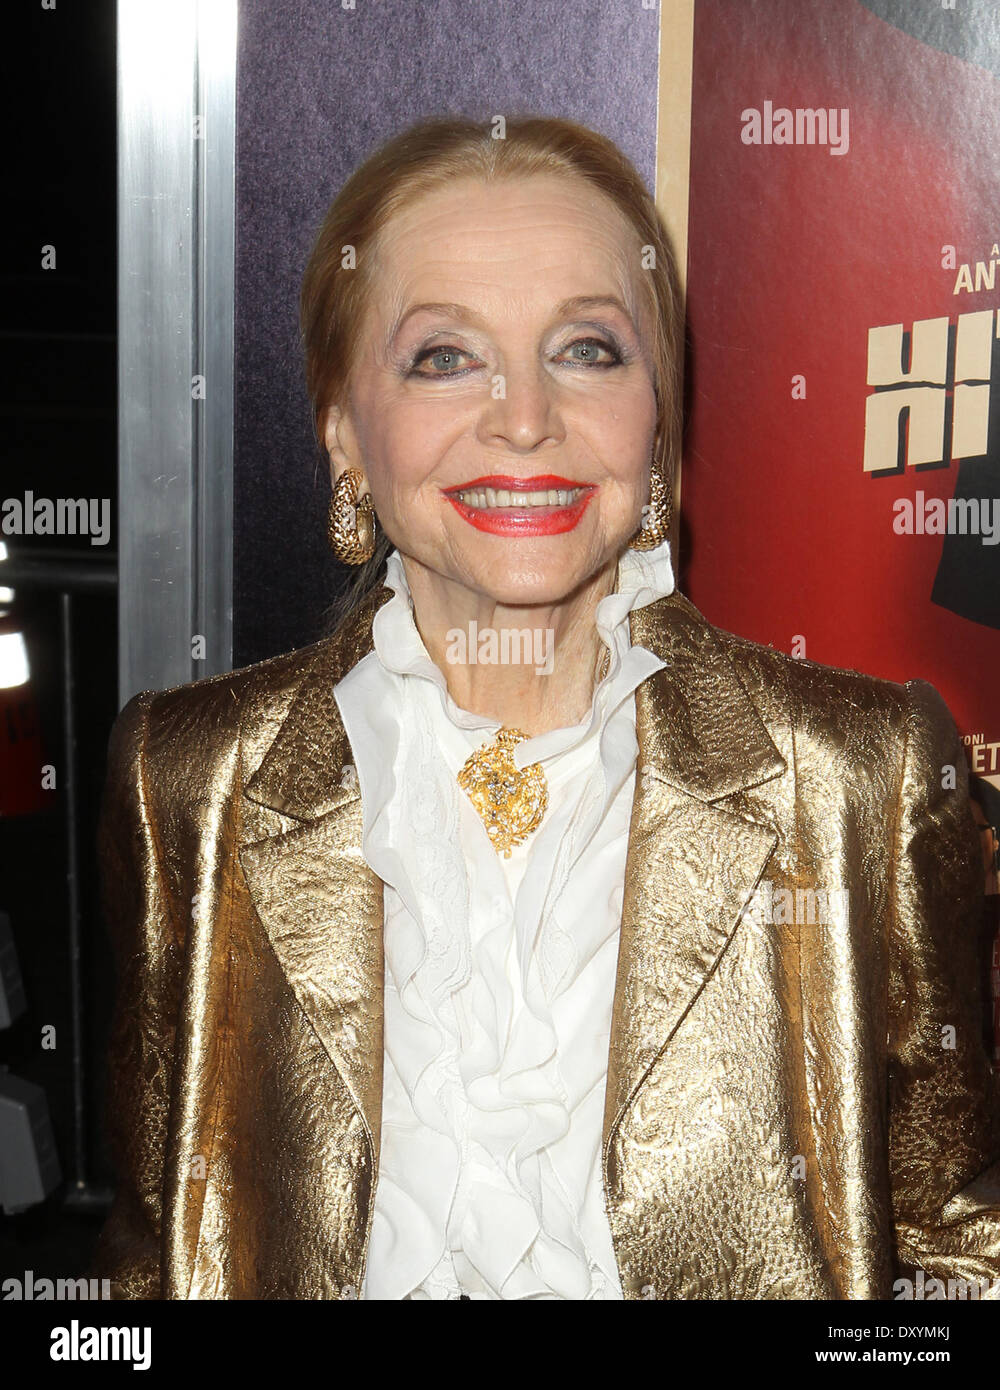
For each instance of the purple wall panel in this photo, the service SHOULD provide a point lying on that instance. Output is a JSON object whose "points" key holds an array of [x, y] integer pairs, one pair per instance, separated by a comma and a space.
{"points": [[318, 88]]}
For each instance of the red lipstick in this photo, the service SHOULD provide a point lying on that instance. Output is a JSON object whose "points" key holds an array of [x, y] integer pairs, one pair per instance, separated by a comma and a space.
{"points": [[546, 520]]}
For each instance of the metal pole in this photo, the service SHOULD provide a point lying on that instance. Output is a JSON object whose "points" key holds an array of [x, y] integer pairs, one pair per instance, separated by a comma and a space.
{"points": [[73, 888], [79, 1192]]}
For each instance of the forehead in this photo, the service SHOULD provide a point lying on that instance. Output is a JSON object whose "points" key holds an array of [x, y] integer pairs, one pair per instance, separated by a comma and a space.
{"points": [[552, 233]]}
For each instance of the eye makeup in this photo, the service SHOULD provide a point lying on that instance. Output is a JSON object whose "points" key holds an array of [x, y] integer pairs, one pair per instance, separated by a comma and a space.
{"points": [[601, 339]]}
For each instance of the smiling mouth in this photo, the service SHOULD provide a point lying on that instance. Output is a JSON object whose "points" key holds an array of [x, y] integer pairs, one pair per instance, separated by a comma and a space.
{"points": [[545, 505], [488, 497]]}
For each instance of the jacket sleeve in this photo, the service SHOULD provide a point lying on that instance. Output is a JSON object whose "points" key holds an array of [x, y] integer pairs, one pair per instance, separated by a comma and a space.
{"points": [[147, 946], [944, 1100]]}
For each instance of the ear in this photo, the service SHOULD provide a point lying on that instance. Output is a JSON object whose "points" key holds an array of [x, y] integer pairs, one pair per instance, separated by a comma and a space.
{"points": [[339, 441]]}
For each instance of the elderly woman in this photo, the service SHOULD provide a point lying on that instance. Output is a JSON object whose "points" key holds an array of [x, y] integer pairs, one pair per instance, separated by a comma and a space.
{"points": [[529, 937]]}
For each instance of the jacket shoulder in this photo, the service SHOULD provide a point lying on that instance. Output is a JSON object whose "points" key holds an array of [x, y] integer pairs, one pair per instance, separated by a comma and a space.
{"points": [[838, 702], [190, 730], [260, 685], [265, 688], [883, 739], [810, 682]]}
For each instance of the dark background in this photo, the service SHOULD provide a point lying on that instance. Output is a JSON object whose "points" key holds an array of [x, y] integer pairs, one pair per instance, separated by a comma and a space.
{"points": [[58, 408]]}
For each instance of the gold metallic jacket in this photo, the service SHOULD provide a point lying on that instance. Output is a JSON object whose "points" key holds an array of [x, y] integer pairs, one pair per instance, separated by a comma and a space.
{"points": [[796, 1109]]}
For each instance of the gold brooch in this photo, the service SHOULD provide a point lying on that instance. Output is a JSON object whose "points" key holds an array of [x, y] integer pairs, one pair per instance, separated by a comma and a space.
{"points": [[510, 801]]}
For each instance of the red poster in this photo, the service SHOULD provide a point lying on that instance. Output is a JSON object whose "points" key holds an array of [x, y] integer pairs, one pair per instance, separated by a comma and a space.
{"points": [[822, 274], [841, 480]]}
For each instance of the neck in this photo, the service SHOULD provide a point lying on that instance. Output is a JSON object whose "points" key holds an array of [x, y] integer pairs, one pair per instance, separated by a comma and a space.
{"points": [[533, 667]]}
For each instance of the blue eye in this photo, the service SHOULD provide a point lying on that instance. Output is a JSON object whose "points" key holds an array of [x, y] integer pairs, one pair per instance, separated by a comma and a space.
{"points": [[592, 347], [444, 358], [446, 355]]}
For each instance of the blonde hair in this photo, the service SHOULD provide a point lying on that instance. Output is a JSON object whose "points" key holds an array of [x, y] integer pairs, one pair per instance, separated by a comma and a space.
{"points": [[334, 300]]}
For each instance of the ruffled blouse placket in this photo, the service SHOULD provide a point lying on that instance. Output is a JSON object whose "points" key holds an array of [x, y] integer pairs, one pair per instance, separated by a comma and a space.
{"points": [[489, 1177]]}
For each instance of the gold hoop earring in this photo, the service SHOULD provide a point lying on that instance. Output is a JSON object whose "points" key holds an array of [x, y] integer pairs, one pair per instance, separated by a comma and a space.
{"points": [[351, 523], [656, 515]]}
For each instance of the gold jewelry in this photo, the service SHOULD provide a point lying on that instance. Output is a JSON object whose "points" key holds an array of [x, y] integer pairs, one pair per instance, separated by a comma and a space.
{"points": [[351, 523], [510, 802], [656, 518]]}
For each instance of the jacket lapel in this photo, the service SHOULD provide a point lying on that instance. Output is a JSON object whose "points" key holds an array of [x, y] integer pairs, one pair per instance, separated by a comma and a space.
{"points": [[317, 900], [692, 865]]}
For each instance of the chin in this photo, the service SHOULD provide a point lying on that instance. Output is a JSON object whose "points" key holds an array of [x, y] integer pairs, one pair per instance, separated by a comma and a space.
{"points": [[540, 584]]}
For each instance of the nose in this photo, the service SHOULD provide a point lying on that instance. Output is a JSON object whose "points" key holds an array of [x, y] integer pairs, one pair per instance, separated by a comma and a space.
{"points": [[521, 413]]}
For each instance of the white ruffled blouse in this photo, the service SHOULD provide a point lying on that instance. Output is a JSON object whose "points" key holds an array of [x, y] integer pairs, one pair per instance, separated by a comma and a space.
{"points": [[499, 973]]}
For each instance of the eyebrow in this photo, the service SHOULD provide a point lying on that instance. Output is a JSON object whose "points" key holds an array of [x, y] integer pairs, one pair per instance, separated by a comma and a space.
{"points": [[569, 308]]}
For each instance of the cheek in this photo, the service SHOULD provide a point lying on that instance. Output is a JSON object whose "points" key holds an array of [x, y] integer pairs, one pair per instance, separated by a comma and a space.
{"points": [[624, 435], [408, 438], [404, 448]]}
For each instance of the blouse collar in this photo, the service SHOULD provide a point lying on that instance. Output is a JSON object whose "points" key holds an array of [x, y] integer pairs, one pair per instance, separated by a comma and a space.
{"points": [[643, 578]]}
